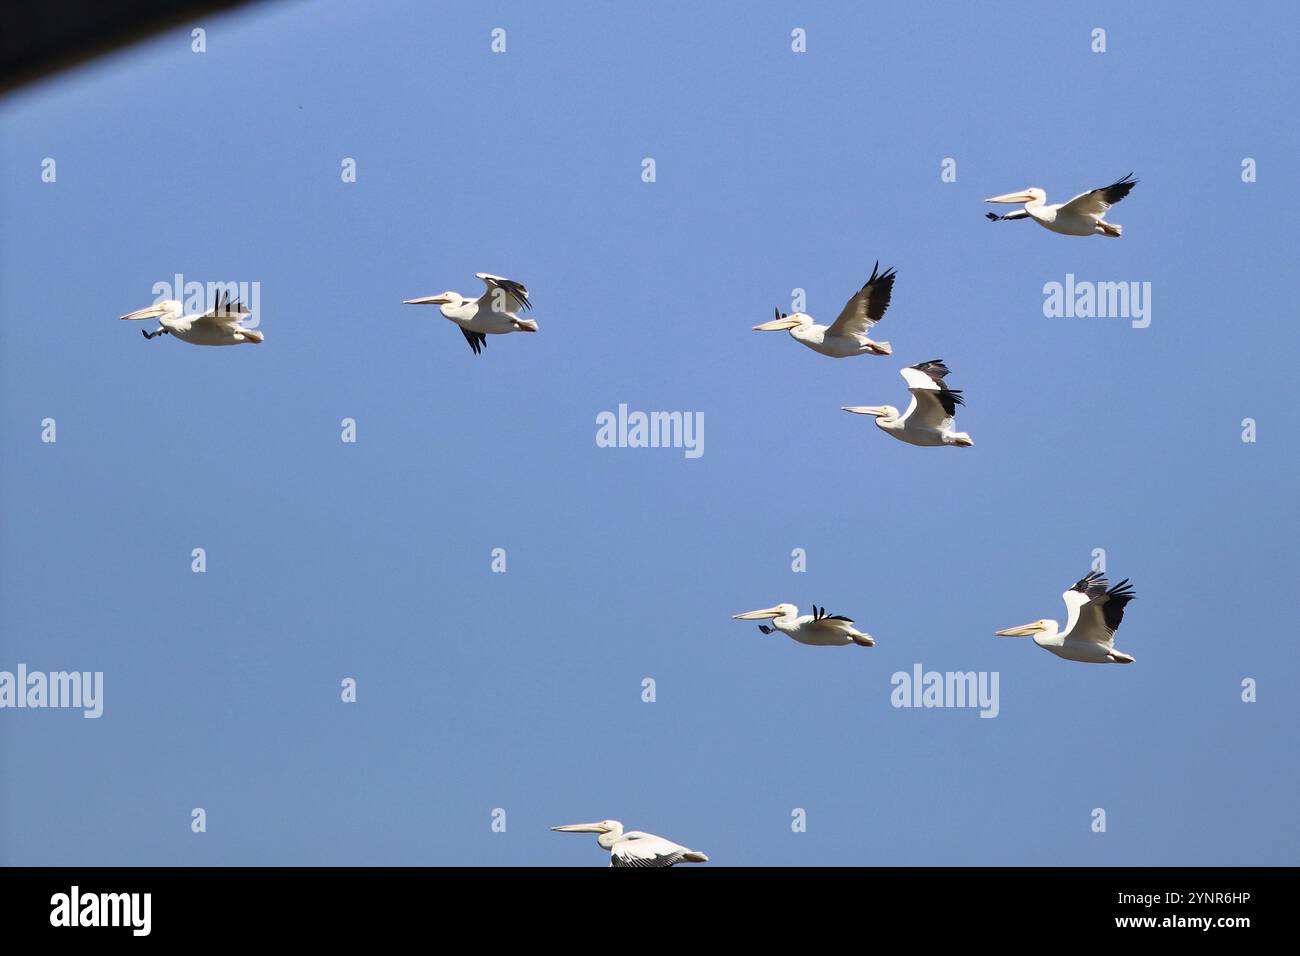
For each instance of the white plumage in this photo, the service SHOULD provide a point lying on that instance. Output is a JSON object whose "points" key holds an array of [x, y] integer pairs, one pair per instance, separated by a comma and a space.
{"points": [[634, 848], [495, 312], [929, 419], [1093, 615]]}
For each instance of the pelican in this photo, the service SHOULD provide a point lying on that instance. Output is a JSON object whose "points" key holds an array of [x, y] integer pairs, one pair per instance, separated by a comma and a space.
{"points": [[929, 419], [1094, 614], [1081, 216], [492, 313], [635, 848], [818, 628], [218, 326], [847, 335]]}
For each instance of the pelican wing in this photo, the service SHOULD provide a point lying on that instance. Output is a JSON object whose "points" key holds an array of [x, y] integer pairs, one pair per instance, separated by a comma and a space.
{"points": [[828, 623], [1097, 201], [1098, 617], [224, 312], [934, 404], [477, 340], [645, 850], [866, 308], [503, 295]]}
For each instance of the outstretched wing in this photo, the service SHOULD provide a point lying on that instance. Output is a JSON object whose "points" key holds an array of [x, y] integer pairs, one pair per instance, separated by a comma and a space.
{"points": [[645, 850], [829, 623], [934, 404], [1097, 201], [503, 295], [224, 312], [477, 340], [867, 307], [1098, 616]]}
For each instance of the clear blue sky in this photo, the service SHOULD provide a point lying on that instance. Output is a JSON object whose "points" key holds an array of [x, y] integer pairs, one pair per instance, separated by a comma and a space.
{"points": [[522, 690]]}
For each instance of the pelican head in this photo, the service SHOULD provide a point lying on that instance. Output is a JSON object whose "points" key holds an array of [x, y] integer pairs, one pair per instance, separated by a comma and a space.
{"points": [[884, 414], [609, 830], [442, 298], [1031, 195], [165, 308], [783, 322], [1027, 630], [780, 610]]}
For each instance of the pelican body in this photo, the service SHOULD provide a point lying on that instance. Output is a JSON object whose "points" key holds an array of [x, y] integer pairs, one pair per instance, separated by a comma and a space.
{"points": [[1081, 216], [818, 628], [634, 848], [847, 335], [492, 313], [1094, 615], [929, 419], [218, 326]]}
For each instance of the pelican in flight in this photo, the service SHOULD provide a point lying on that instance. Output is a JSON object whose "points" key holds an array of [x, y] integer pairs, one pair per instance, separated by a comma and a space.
{"points": [[218, 326], [929, 419], [635, 848], [1094, 615], [847, 335], [492, 313], [1081, 216], [818, 628]]}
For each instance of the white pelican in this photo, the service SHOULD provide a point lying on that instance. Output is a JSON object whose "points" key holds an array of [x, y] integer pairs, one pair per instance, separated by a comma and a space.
{"points": [[1094, 615], [818, 628], [492, 313], [1081, 216], [929, 419], [635, 848], [847, 335], [218, 326]]}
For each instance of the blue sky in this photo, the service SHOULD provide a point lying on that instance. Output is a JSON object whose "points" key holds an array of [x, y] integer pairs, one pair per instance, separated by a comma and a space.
{"points": [[522, 690]]}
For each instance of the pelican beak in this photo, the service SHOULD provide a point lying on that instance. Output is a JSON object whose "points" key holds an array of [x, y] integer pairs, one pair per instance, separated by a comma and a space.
{"points": [[153, 312], [762, 615], [427, 300], [580, 828], [1024, 630], [778, 324], [873, 410], [1020, 197]]}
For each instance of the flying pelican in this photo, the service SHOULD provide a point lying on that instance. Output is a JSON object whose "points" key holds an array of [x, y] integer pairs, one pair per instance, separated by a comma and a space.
{"points": [[218, 326], [847, 335], [929, 419], [818, 628], [1081, 216], [492, 313], [635, 848], [1094, 613]]}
